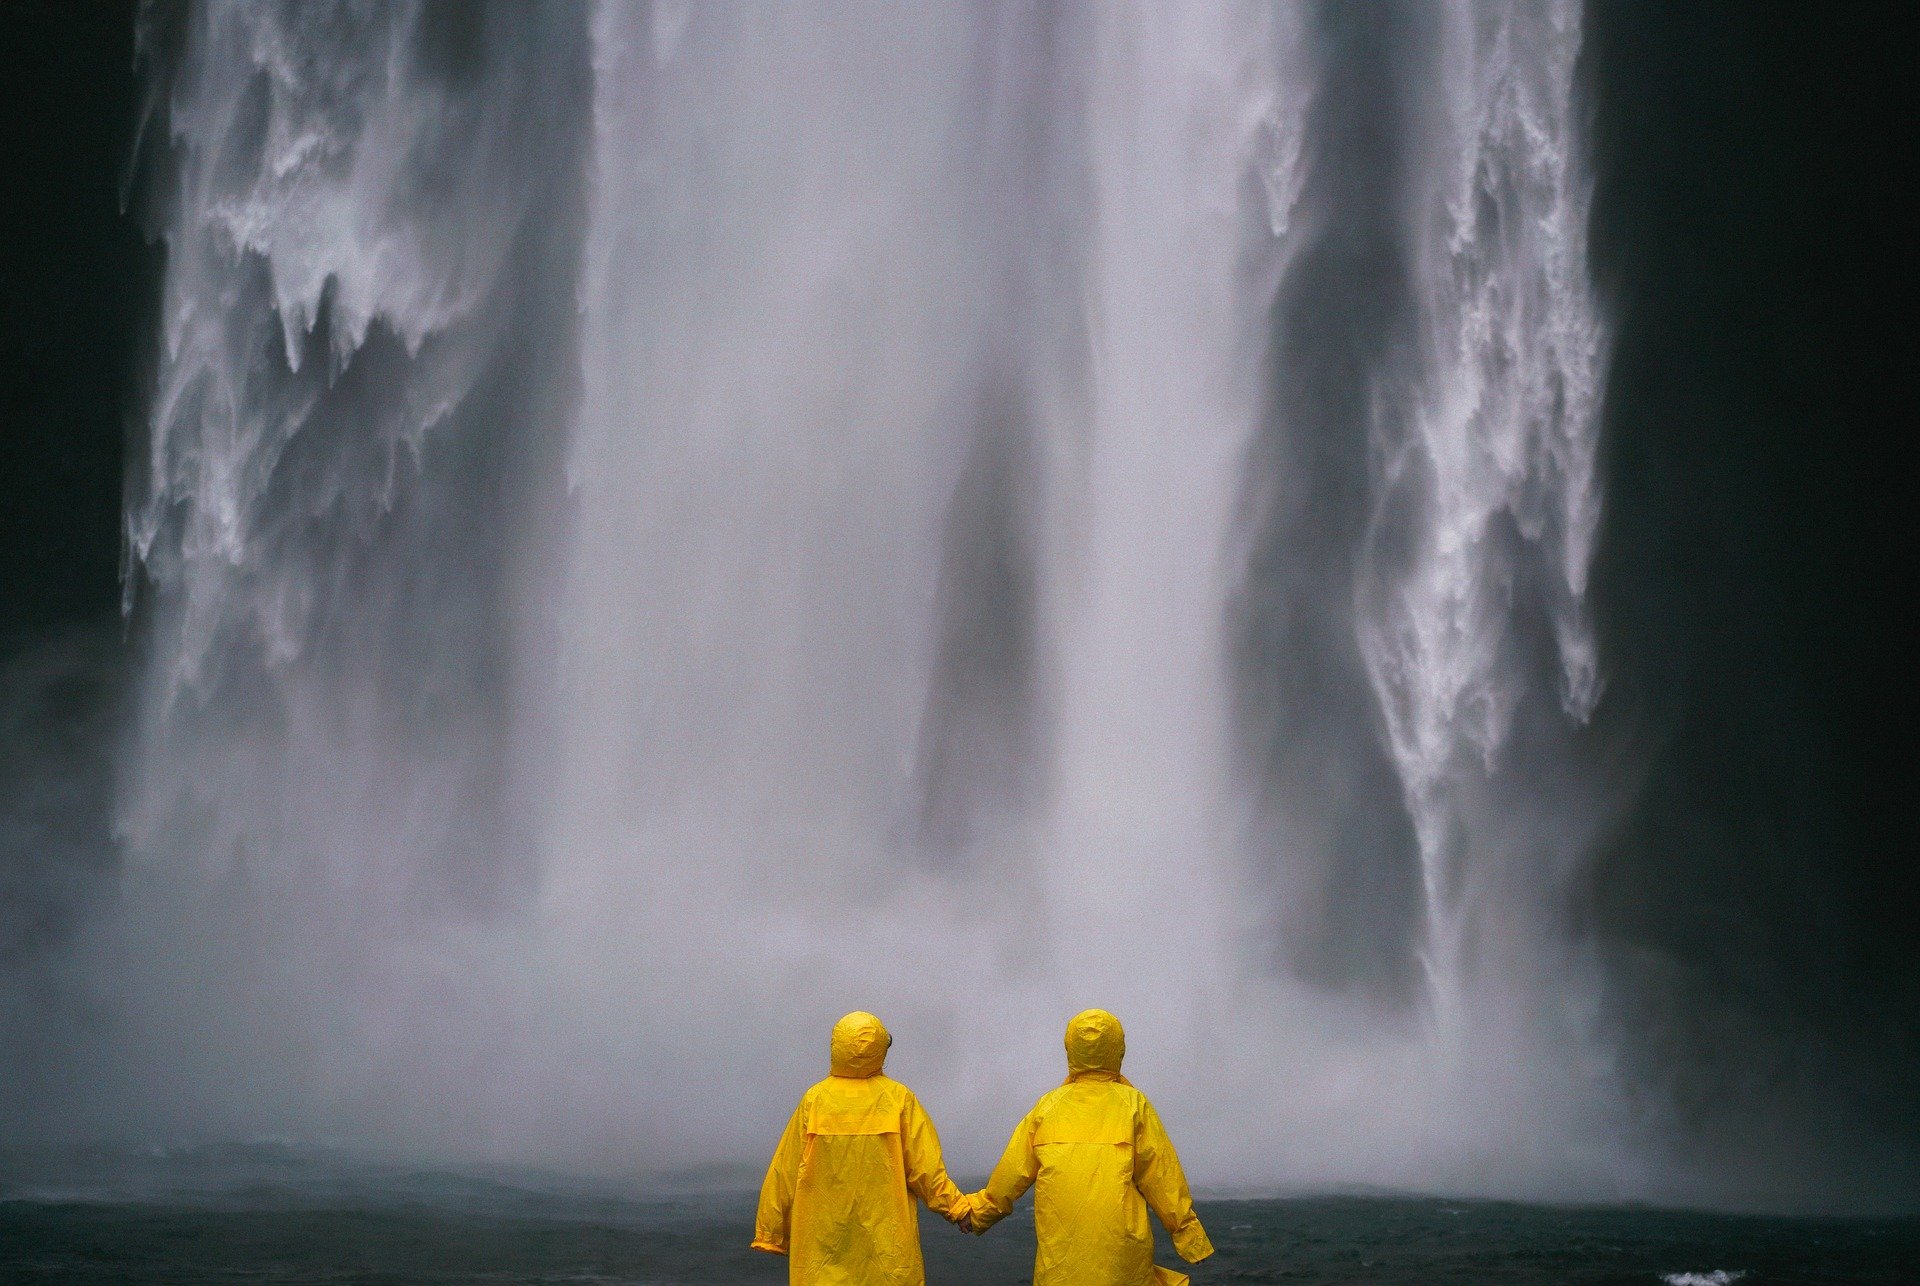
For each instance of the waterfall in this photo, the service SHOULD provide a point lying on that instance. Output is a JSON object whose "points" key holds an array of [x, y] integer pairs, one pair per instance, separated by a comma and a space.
{"points": [[1190, 125], [1484, 479], [661, 522], [356, 245]]}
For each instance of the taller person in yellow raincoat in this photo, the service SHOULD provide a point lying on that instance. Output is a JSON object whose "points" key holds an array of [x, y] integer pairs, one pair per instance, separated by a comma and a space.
{"points": [[839, 1196], [1096, 1157]]}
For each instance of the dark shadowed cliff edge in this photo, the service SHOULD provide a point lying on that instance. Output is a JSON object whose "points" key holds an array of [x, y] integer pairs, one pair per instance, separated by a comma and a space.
{"points": [[1757, 893]]}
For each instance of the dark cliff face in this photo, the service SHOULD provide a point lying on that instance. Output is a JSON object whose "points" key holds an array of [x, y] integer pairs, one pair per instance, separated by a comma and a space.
{"points": [[77, 280], [1757, 893]]}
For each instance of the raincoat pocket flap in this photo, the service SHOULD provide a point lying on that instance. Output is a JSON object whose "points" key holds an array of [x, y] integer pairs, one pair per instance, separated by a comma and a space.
{"points": [[854, 1123], [1082, 1131]]}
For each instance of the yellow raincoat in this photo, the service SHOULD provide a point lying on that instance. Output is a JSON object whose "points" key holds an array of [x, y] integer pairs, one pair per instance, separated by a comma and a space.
{"points": [[839, 1195], [1096, 1157]]}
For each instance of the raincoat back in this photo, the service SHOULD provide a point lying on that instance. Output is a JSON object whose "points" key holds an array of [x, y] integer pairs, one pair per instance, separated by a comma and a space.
{"points": [[1098, 1159], [858, 1150]]}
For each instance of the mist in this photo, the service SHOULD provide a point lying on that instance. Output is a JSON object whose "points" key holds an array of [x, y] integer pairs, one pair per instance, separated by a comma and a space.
{"points": [[652, 526]]}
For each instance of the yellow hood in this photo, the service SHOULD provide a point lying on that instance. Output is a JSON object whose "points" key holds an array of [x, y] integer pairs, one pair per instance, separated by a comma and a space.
{"points": [[859, 1045], [1095, 1044]]}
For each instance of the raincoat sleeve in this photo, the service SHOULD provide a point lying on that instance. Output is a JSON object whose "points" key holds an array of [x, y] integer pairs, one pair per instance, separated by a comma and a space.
{"points": [[926, 1170], [1019, 1164], [1157, 1173], [776, 1193]]}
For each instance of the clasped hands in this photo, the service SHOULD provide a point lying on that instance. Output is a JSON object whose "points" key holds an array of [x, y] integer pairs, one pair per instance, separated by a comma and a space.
{"points": [[969, 1214]]}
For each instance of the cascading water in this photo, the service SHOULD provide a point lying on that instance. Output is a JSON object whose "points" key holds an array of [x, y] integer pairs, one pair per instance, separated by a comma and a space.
{"points": [[1485, 465], [1181, 109], [353, 282], [661, 528]]}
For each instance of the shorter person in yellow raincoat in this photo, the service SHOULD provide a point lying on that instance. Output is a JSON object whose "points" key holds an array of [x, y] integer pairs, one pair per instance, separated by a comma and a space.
{"points": [[839, 1195], [1096, 1157]]}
